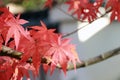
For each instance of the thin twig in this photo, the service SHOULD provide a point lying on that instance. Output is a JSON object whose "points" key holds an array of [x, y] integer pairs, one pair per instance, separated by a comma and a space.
{"points": [[74, 18], [74, 31]]}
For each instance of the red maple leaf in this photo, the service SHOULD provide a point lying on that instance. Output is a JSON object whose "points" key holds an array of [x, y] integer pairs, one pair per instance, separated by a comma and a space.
{"points": [[61, 52], [4, 13], [115, 9], [42, 32], [16, 30], [14, 25]]}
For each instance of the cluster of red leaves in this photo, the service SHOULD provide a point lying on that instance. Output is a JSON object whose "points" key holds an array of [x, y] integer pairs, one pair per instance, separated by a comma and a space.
{"points": [[84, 9], [11, 69], [36, 43], [115, 9]]}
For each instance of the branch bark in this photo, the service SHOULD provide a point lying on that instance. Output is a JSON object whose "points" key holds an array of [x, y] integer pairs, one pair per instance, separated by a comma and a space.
{"points": [[94, 60], [6, 51]]}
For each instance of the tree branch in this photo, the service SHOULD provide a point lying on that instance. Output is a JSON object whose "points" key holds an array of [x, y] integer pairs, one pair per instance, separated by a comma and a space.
{"points": [[6, 51], [95, 59], [74, 18]]}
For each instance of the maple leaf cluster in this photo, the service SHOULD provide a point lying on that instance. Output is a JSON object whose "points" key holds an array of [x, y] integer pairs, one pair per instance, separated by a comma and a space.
{"points": [[87, 9], [36, 43], [84, 9]]}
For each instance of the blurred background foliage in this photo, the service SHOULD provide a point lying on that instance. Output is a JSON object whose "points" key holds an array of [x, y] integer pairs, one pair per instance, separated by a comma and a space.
{"points": [[30, 4], [27, 4]]}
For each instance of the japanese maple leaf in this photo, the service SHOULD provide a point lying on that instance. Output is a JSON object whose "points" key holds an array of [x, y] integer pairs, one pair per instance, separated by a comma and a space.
{"points": [[4, 13], [115, 9], [15, 30], [48, 3], [61, 52], [42, 30]]}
